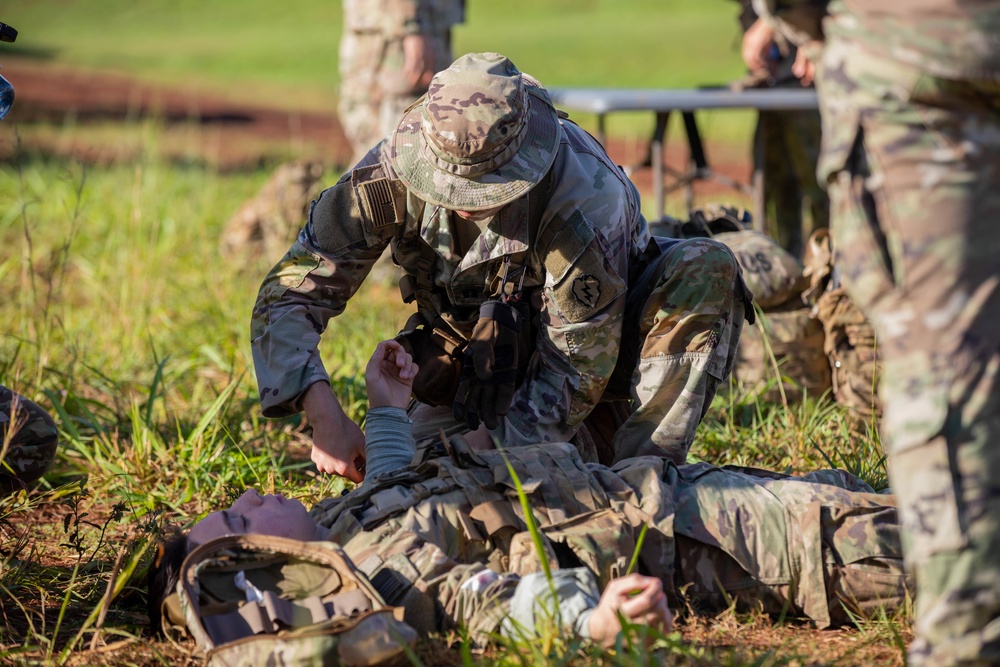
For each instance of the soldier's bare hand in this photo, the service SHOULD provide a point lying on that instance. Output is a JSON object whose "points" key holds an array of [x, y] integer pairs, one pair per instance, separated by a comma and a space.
{"points": [[803, 67], [418, 66], [640, 599], [338, 443], [389, 375], [758, 41]]}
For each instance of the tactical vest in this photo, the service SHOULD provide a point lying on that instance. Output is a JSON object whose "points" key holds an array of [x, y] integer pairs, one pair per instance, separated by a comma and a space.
{"points": [[461, 308]]}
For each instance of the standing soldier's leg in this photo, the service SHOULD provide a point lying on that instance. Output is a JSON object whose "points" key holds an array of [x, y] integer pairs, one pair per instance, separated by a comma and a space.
{"points": [[688, 309], [359, 96], [916, 230], [782, 195], [28, 439], [802, 139]]}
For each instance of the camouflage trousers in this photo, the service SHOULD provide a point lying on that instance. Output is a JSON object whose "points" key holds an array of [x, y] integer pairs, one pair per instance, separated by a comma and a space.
{"points": [[28, 439], [373, 91], [830, 551], [913, 163], [683, 318], [786, 148]]}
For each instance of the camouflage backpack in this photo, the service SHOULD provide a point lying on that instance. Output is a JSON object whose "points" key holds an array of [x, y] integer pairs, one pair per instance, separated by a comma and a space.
{"points": [[850, 342], [264, 600]]}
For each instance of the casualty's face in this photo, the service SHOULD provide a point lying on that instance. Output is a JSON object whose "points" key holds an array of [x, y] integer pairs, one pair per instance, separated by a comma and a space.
{"points": [[262, 515]]}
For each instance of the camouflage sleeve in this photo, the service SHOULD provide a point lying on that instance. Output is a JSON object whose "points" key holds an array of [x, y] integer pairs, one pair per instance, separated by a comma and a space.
{"points": [[404, 17], [798, 20], [583, 248], [485, 602], [311, 284]]}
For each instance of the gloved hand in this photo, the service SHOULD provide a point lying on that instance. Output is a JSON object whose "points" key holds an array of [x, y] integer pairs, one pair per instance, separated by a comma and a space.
{"points": [[486, 387]]}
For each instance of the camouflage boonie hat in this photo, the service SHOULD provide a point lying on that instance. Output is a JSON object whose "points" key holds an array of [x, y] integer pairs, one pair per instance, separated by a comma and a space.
{"points": [[480, 137]]}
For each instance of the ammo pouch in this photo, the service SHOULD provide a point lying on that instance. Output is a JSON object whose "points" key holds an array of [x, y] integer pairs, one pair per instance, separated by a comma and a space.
{"points": [[437, 349], [263, 600]]}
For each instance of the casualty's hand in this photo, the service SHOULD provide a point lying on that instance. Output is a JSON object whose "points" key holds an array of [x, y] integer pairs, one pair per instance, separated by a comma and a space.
{"points": [[338, 443], [418, 60], [640, 599], [757, 43], [389, 375]]}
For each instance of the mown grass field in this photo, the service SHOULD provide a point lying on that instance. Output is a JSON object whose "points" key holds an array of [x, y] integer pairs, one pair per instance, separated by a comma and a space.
{"points": [[119, 314]]}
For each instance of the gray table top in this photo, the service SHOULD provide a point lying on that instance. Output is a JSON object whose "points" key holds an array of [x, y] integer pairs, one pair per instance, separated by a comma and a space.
{"points": [[606, 100]]}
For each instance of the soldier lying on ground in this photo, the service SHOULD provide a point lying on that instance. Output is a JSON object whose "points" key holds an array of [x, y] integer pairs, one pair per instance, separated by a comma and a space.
{"points": [[445, 538]]}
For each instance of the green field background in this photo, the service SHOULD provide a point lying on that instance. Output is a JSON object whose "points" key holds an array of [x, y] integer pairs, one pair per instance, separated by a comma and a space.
{"points": [[286, 53]]}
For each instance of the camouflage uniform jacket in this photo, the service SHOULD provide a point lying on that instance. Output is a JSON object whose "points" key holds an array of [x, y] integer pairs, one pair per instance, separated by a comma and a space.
{"points": [[447, 539], [575, 264]]}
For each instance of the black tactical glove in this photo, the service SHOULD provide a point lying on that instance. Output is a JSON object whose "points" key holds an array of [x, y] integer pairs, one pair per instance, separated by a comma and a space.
{"points": [[486, 388]]}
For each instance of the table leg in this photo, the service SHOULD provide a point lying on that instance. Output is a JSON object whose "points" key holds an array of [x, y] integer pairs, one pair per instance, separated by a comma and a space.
{"points": [[656, 157], [757, 183]]}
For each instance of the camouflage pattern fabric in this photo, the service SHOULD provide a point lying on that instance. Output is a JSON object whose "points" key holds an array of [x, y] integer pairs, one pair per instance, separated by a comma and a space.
{"points": [[849, 338], [795, 339], [909, 98], [270, 220], [813, 546], [684, 316], [28, 440], [373, 91], [853, 351], [773, 274], [266, 600], [484, 135], [590, 238]]}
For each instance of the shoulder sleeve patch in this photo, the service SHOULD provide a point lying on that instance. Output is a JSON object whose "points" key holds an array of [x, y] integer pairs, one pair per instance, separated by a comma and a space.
{"points": [[561, 242], [589, 286], [381, 199]]}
